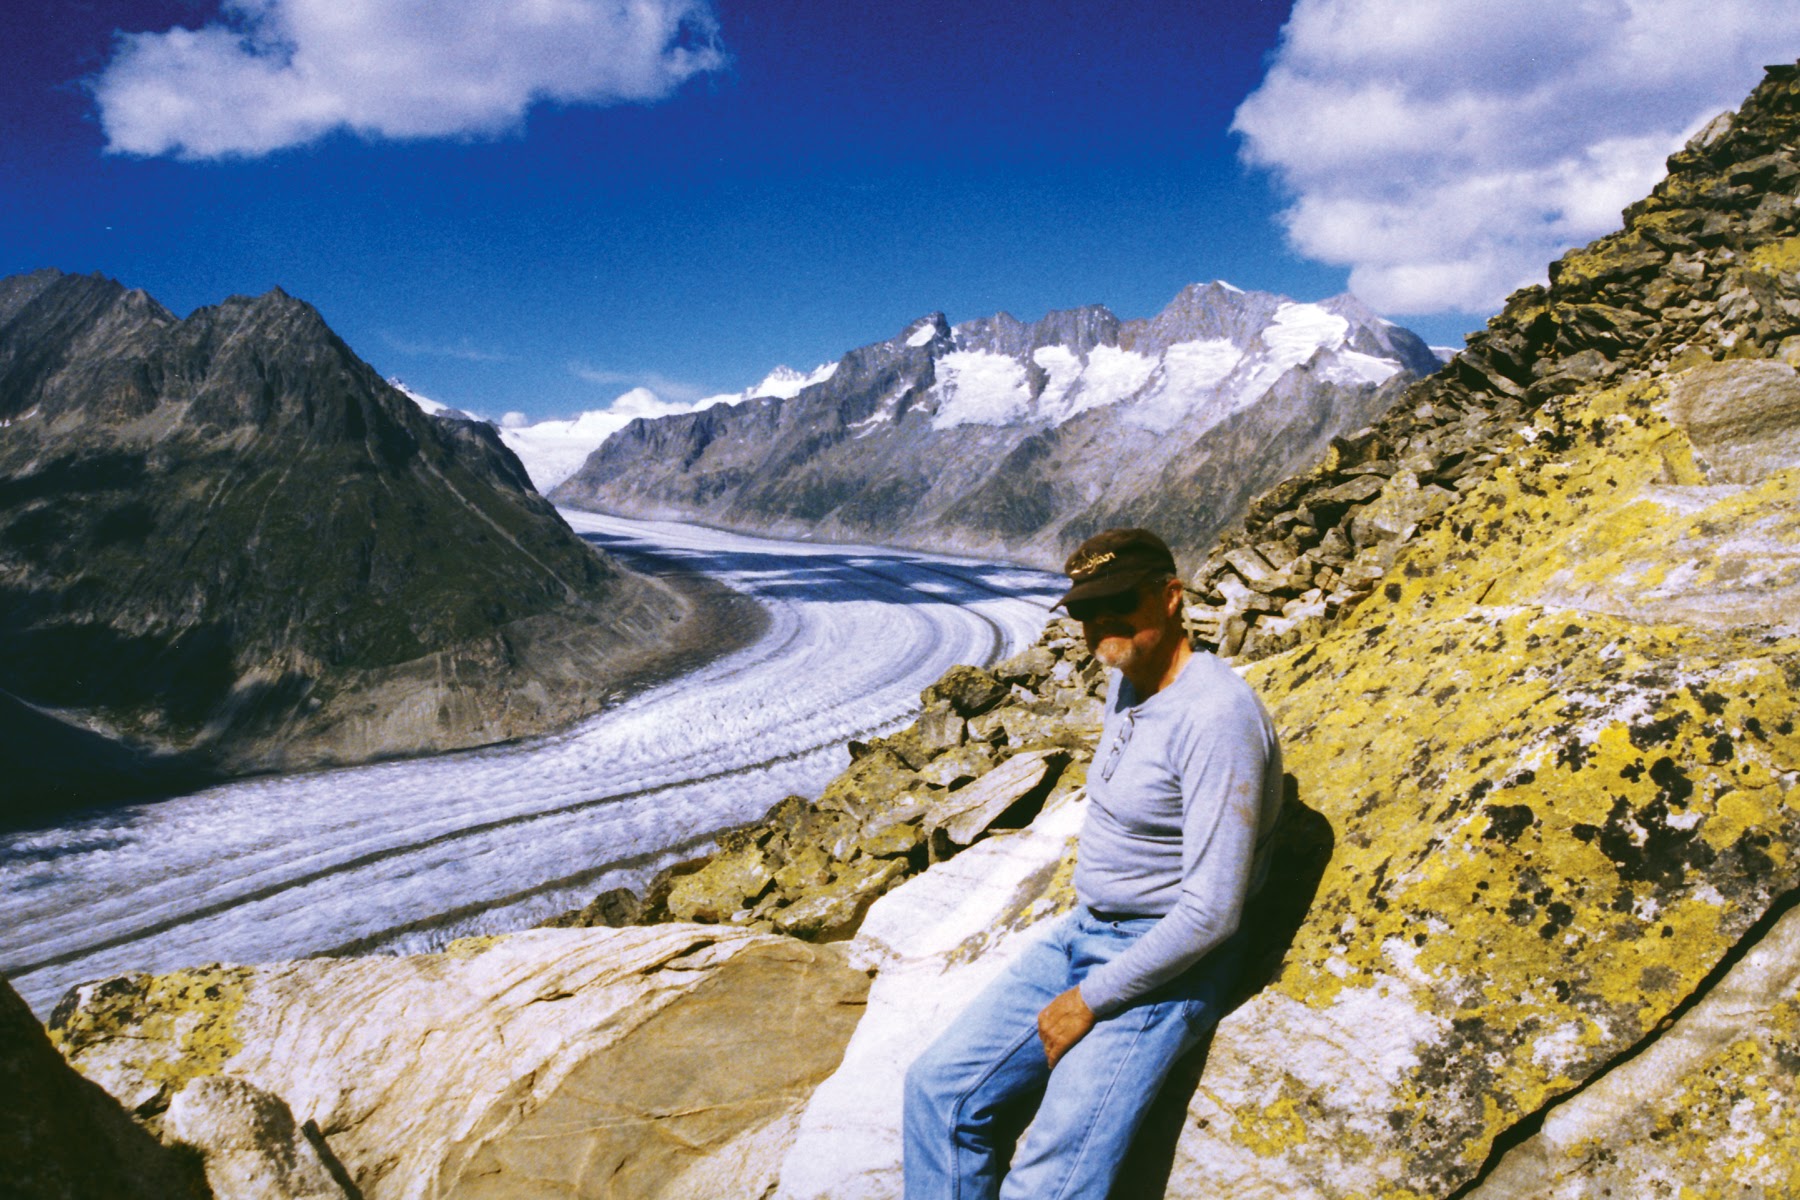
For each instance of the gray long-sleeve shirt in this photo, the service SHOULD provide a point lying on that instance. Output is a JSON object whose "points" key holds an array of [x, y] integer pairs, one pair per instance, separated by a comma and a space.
{"points": [[1184, 791]]}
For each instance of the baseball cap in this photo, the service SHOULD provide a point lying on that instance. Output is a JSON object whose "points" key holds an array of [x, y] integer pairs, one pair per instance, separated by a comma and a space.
{"points": [[1115, 561]]}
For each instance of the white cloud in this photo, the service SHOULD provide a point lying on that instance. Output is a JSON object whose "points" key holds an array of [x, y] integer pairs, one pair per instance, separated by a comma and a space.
{"points": [[281, 73], [1446, 152]]}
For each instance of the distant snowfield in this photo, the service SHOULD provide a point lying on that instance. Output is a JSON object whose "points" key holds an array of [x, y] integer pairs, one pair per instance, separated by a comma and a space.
{"points": [[1192, 385], [408, 855], [553, 450]]}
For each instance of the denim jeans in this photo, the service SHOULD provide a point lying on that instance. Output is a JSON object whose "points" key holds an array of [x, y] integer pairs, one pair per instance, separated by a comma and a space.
{"points": [[968, 1093]]}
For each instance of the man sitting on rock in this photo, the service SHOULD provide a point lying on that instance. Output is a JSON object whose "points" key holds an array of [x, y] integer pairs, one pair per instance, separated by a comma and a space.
{"points": [[1183, 795]]}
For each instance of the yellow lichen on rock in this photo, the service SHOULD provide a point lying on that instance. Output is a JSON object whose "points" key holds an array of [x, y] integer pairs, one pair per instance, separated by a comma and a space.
{"points": [[143, 1037], [1557, 804], [1775, 257]]}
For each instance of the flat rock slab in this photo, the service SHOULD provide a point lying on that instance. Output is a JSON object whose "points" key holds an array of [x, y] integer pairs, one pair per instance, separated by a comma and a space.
{"points": [[632, 1062], [965, 814]]}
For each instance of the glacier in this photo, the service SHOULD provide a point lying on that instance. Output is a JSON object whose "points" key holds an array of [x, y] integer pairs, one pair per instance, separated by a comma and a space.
{"points": [[405, 856]]}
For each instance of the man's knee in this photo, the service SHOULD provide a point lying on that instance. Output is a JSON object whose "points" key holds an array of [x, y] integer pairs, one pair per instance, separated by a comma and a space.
{"points": [[930, 1083]]}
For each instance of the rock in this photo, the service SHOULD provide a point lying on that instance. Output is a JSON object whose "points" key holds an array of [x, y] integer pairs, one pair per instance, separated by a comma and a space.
{"points": [[1709, 1108], [958, 766], [612, 908], [966, 814], [936, 730], [64, 1138], [1250, 565], [731, 881], [808, 868], [869, 785], [1743, 417], [635, 1062], [1028, 666], [892, 840], [989, 727], [1025, 727], [834, 910], [1391, 516], [970, 691], [253, 1149]]}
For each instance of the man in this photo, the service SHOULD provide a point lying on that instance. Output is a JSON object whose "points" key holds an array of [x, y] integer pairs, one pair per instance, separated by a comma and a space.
{"points": [[1183, 795]]}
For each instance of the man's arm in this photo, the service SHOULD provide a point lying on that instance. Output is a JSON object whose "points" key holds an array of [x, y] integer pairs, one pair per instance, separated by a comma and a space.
{"points": [[1222, 776]]}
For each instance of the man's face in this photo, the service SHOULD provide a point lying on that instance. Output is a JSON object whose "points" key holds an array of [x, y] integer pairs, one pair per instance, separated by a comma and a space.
{"points": [[1125, 630]]}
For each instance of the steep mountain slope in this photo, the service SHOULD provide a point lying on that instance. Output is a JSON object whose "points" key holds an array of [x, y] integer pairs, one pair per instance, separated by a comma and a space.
{"points": [[227, 544], [1020, 440]]}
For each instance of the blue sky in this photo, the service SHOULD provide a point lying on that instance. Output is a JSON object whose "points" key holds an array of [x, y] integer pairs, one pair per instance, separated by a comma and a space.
{"points": [[513, 214]]}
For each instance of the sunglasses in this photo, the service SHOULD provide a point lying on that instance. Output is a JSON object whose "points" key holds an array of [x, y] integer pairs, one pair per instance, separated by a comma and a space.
{"points": [[1122, 604]]}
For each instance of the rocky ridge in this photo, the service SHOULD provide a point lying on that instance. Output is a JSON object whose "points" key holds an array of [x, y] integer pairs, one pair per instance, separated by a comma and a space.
{"points": [[1533, 927], [227, 545], [1018, 440], [1703, 270]]}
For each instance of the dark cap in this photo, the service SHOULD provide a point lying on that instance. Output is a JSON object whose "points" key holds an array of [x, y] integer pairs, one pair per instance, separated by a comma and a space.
{"points": [[1114, 561]]}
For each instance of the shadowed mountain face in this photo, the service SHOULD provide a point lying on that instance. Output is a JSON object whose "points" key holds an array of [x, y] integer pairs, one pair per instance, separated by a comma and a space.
{"points": [[227, 544], [1020, 440]]}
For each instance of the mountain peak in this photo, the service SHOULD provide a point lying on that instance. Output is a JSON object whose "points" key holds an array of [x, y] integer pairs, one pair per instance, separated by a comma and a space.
{"points": [[927, 329]]}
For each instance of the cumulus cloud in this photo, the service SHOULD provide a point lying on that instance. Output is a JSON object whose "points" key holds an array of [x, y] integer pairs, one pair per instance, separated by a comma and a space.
{"points": [[1445, 152], [276, 73]]}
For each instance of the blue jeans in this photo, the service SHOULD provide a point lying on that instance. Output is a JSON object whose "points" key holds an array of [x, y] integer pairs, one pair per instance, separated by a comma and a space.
{"points": [[969, 1093]]}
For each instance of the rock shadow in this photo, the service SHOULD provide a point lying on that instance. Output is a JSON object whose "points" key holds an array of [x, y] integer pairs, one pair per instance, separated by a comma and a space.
{"points": [[1304, 844]]}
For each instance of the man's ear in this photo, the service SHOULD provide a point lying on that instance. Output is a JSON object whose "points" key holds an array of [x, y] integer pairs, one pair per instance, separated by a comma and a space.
{"points": [[1173, 593]]}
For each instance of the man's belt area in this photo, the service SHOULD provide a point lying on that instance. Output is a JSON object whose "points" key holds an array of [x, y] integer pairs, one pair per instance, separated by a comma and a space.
{"points": [[1101, 914]]}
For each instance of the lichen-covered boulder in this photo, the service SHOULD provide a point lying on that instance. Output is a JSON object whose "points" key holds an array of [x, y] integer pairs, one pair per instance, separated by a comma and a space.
{"points": [[833, 909], [870, 784], [969, 690], [667, 1060], [732, 881]]}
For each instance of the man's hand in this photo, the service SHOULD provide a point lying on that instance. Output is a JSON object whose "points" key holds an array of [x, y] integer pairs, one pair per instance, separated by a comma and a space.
{"points": [[1064, 1021]]}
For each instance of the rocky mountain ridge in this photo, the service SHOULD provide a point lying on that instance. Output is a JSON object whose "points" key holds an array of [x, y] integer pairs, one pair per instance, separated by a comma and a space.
{"points": [[1018, 440], [1532, 927], [1703, 270], [227, 545]]}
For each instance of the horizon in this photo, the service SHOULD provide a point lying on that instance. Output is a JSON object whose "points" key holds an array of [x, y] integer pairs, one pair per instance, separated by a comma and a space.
{"points": [[515, 218]]}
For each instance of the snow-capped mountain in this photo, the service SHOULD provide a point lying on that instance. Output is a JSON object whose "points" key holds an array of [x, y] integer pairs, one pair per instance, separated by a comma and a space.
{"points": [[554, 450], [1020, 439], [428, 406]]}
